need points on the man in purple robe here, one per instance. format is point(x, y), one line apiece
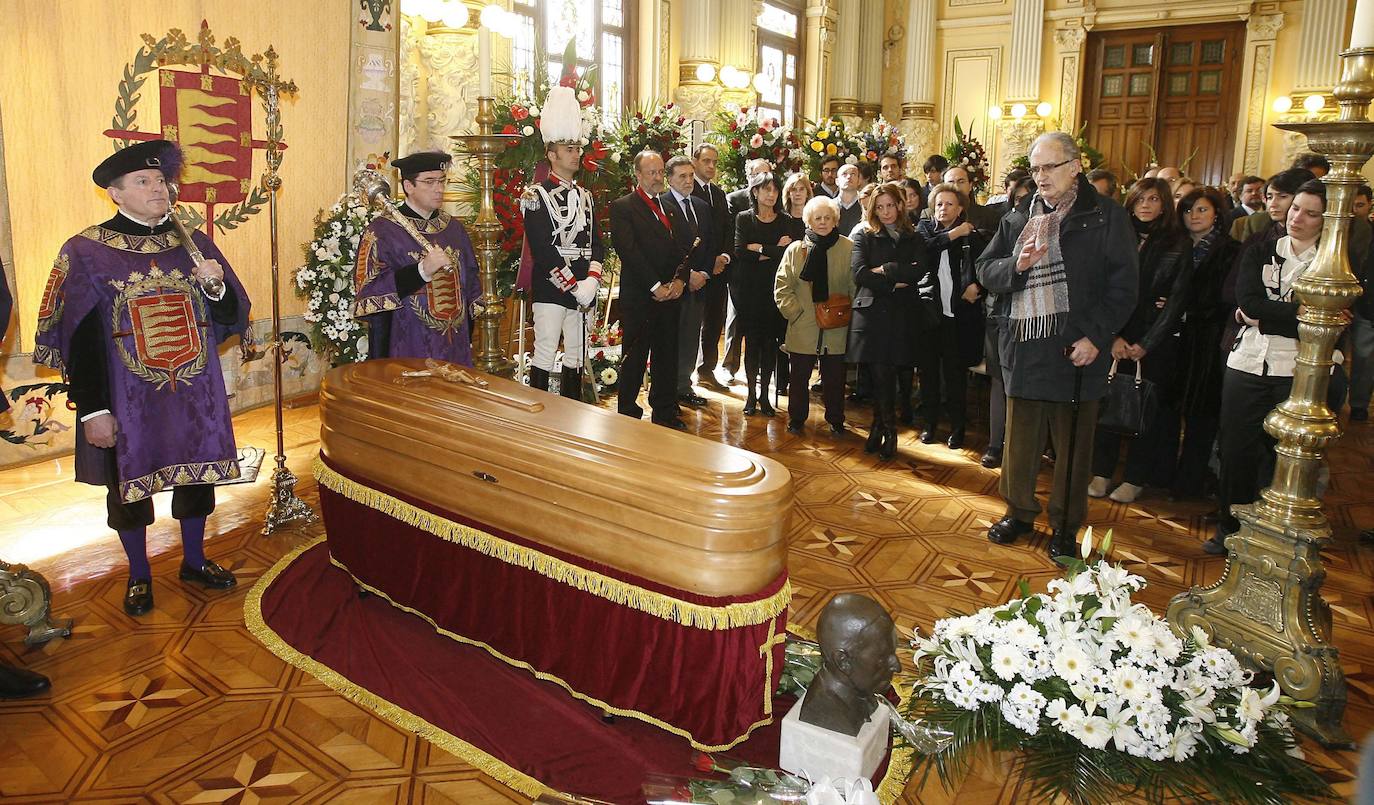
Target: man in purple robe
point(134, 325)
point(417, 299)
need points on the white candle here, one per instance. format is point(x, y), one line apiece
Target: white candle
point(484, 61)
point(1362, 34)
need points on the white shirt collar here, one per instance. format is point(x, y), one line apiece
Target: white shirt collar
point(153, 225)
point(677, 196)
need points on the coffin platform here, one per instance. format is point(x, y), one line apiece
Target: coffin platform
point(642, 569)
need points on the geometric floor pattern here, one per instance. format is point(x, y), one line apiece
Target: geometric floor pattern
point(183, 705)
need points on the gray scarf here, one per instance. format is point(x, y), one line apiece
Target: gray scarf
point(1040, 309)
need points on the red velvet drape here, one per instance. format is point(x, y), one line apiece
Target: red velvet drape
point(711, 686)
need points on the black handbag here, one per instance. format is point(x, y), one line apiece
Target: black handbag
point(1130, 405)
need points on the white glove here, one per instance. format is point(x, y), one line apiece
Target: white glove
point(585, 291)
point(562, 278)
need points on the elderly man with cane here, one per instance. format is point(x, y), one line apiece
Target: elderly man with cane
point(1063, 264)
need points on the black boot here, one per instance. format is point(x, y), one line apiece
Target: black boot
point(571, 383)
point(539, 378)
point(765, 407)
point(875, 437)
point(956, 437)
point(888, 448)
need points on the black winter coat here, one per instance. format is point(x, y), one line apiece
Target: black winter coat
point(1165, 273)
point(753, 273)
point(887, 325)
point(968, 316)
point(1098, 244)
point(1200, 368)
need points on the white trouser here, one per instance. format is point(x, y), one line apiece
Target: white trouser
point(551, 321)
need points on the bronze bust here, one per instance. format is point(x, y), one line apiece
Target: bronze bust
point(858, 658)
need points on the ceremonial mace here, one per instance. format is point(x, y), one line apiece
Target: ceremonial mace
point(284, 507)
point(214, 286)
point(486, 231)
point(1267, 606)
point(374, 191)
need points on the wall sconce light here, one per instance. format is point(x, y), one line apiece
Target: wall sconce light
point(1043, 109)
point(706, 72)
point(1018, 110)
point(1313, 103)
point(994, 112)
point(1282, 104)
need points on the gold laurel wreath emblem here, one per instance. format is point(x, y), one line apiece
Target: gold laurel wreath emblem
point(137, 286)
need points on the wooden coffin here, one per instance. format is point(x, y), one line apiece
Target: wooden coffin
point(665, 506)
point(641, 569)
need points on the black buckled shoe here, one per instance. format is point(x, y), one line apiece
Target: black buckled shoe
point(209, 575)
point(1062, 545)
point(19, 683)
point(138, 598)
point(1008, 529)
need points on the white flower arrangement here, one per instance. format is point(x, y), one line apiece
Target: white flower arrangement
point(325, 282)
point(1102, 698)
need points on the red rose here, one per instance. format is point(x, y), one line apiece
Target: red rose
point(519, 112)
point(601, 355)
point(681, 120)
point(508, 129)
point(569, 81)
point(734, 143)
point(658, 118)
point(703, 762)
point(734, 126)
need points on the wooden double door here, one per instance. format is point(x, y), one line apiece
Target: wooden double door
point(1172, 92)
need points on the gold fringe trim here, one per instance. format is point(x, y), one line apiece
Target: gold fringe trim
point(592, 700)
point(478, 759)
point(660, 605)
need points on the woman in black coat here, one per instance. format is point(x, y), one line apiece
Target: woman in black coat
point(892, 276)
point(1200, 367)
point(952, 243)
point(762, 234)
point(1150, 339)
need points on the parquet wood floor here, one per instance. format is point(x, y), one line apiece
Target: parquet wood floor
point(185, 706)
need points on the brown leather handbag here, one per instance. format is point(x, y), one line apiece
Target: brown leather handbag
point(834, 312)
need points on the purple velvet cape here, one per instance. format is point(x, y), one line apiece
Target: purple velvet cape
point(432, 322)
point(162, 362)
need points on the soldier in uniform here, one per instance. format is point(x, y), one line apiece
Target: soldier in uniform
point(134, 325)
point(417, 299)
point(561, 231)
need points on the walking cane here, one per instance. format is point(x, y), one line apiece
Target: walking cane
point(522, 369)
point(1073, 440)
point(588, 382)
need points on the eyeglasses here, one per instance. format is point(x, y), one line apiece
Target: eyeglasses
point(431, 182)
point(1040, 170)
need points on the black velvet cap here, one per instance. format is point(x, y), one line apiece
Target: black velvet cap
point(417, 163)
point(162, 154)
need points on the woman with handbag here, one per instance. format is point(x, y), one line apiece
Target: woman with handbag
point(1259, 370)
point(957, 341)
point(1147, 347)
point(1200, 368)
point(762, 234)
point(890, 268)
point(812, 288)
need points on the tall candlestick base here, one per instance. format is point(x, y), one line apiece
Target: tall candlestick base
point(486, 235)
point(1267, 605)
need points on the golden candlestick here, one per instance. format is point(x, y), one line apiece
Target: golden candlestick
point(1267, 605)
point(486, 236)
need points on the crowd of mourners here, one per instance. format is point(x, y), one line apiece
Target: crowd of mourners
point(1057, 283)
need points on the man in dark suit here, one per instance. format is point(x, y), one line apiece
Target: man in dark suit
point(736, 202)
point(825, 185)
point(716, 297)
point(982, 218)
point(703, 263)
point(1249, 199)
point(652, 279)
